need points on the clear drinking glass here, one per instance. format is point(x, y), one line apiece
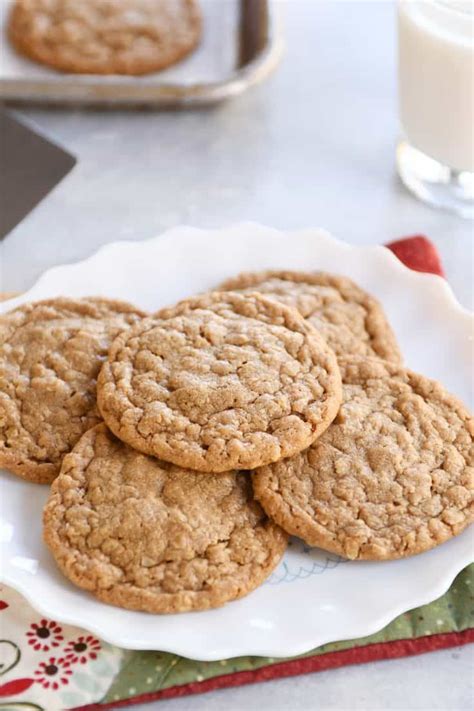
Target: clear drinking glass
point(435, 159)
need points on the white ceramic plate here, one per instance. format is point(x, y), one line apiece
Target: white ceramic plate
point(312, 598)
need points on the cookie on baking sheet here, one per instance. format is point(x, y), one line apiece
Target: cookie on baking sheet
point(50, 355)
point(391, 477)
point(105, 36)
point(146, 535)
point(220, 381)
point(351, 321)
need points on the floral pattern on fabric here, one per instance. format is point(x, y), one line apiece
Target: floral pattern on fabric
point(53, 672)
point(44, 635)
point(48, 666)
point(82, 649)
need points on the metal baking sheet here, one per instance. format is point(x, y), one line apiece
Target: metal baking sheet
point(240, 46)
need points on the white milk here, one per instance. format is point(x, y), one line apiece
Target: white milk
point(436, 79)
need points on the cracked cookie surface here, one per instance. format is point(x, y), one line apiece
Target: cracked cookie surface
point(146, 535)
point(351, 321)
point(391, 477)
point(50, 354)
point(220, 381)
point(105, 36)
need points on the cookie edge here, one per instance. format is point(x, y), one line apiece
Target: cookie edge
point(135, 598)
point(297, 323)
point(46, 472)
point(303, 523)
point(45, 58)
point(382, 337)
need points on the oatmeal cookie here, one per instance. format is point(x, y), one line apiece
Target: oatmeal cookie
point(351, 321)
point(105, 36)
point(50, 355)
point(391, 477)
point(142, 534)
point(220, 381)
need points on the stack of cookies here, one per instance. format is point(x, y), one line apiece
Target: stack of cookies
point(185, 446)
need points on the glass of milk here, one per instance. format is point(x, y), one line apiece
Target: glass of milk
point(436, 92)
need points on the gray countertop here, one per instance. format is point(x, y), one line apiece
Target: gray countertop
point(312, 146)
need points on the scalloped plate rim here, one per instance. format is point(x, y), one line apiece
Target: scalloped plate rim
point(378, 249)
point(358, 627)
point(355, 632)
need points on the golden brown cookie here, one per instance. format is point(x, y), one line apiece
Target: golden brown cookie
point(146, 535)
point(351, 321)
point(105, 36)
point(220, 381)
point(50, 355)
point(392, 476)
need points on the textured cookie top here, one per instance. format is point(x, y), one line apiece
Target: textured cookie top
point(220, 381)
point(105, 36)
point(146, 535)
point(351, 321)
point(391, 477)
point(50, 355)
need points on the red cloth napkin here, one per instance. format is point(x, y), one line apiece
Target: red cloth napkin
point(420, 254)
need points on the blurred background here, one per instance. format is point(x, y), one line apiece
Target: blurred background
point(312, 145)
